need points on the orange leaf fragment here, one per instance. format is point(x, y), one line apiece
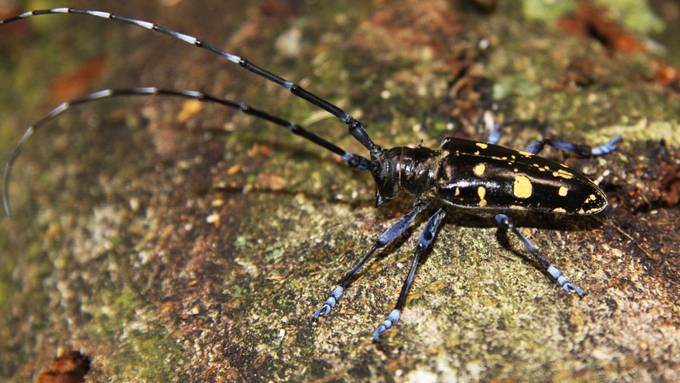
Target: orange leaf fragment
point(74, 84)
point(190, 108)
point(270, 182)
point(233, 169)
point(68, 368)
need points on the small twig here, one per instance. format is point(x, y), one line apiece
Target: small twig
point(620, 230)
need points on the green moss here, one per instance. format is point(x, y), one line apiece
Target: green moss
point(642, 130)
point(7, 288)
point(4, 296)
point(145, 350)
point(34, 250)
point(515, 86)
point(635, 15)
point(547, 10)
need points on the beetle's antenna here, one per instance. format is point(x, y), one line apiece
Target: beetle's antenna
point(356, 128)
point(351, 159)
point(8, 170)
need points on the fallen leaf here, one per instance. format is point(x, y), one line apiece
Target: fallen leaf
point(70, 367)
point(270, 182)
point(74, 84)
point(591, 21)
point(258, 149)
point(666, 74)
point(190, 108)
point(234, 169)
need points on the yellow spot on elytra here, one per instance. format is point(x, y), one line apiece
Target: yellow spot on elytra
point(559, 210)
point(517, 207)
point(481, 191)
point(591, 198)
point(563, 174)
point(563, 191)
point(457, 192)
point(522, 187)
point(525, 154)
point(476, 153)
point(479, 169)
point(581, 211)
point(482, 145)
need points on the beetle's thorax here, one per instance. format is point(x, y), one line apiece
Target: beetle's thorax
point(412, 170)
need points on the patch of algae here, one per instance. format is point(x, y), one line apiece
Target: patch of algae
point(548, 10)
point(536, 89)
point(634, 15)
point(144, 351)
point(6, 290)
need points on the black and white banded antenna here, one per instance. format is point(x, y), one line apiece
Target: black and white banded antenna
point(356, 127)
point(351, 159)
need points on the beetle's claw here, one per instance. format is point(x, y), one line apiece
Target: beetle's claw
point(322, 311)
point(569, 287)
point(391, 320)
point(332, 300)
point(379, 331)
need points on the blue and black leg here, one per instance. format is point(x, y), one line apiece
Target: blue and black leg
point(424, 243)
point(503, 222)
point(491, 126)
point(536, 146)
point(389, 236)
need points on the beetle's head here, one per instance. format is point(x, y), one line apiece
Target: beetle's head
point(411, 170)
point(385, 175)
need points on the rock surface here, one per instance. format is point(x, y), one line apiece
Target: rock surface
point(170, 241)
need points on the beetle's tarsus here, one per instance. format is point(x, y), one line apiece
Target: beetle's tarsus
point(322, 311)
point(504, 222)
point(331, 302)
point(379, 331)
point(569, 287)
point(391, 320)
point(562, 280)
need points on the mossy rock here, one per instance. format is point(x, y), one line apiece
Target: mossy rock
point(138, 241)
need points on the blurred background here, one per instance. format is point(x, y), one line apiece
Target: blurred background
point(156, 239)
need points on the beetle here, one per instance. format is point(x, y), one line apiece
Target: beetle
point(481, 178)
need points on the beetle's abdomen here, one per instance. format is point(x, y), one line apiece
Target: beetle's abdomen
point(484, 176)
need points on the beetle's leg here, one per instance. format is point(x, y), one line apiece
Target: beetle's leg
point(490, 125)
point(389, 236)
point(536, 146)
point(504, 222)
point(424, 243)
